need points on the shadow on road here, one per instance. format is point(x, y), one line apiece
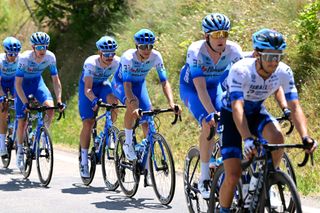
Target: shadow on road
point(18, 184)
point(82, 189)
point(6, 171)
point(122, 203)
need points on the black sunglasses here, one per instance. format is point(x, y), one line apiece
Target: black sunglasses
point(145, 46)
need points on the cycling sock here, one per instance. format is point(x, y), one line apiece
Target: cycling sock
point(19, 148)
point(204, 171)
point(84, 156)
point(128, 136)
point(2, 141)
point(224, 210)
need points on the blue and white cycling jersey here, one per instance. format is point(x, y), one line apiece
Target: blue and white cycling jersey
point(133, 70)
point(244, 83)
point(7, 69)
point(200, 64)
point(29, 69)
point(99, 74)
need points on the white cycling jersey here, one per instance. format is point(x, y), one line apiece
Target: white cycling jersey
point(244, 83)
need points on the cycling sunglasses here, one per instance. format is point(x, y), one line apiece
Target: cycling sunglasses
point(108, 54)
point(145, 46)
point(269, 57)
point(219, 34)
point(41, 47)
point(12, 54)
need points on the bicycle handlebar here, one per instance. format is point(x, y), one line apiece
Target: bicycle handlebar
point(45, 108)
point(273, 147)
point(213, 128)
point(283, 119)
point(158, 111)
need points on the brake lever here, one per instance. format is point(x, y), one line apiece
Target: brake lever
point(211, 134)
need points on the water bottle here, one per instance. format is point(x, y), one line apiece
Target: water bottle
point(97, 142)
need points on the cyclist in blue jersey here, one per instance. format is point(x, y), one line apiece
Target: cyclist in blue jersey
point(207, 65)
point(94, 85)
point(8, 66)
point(250, 82)
point(129, 83)
point(29, 81)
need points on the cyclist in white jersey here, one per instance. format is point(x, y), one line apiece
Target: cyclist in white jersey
point(250, 82)
point(207, 65)
point(29, 81)
point(129, 84)
point(8, 66)
point(94, 85)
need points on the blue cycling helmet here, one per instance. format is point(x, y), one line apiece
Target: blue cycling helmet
point(268, 39)
point(40, 38)
point(107, 43)
point(11, 45)
point(215, 22)
point(144, 36)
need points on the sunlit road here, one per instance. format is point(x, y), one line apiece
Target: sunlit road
point(66, 193)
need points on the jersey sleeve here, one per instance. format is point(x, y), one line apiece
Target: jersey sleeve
point(125, 69)
point(236, 82)
point(53, 65)
point(195, 63)
point(88, 69)
point(288, 85)
point(22, 66)
point(162, 73)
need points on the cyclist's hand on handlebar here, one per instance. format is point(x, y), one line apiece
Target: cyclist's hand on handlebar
point(62, 106)
point(26, 107)
point(311, 142)
point(94, 104)
point(286, 112)
point(2, 98)
point(211, 119)
point(249, 147)
point(136, 114)
point(176, 109)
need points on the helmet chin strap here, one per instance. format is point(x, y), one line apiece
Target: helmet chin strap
point(207, 40)
point(141, 56)
point(261, 67)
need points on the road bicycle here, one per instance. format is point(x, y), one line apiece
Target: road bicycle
point(102, 149)
point(191, 174)
point(154, 157)
point(37, 143)
point(264, 178)
point(11, 131)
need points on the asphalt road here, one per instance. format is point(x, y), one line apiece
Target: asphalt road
point(66, 193)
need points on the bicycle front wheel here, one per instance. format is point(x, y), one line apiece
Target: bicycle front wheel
point(92, 163)
point(280, 194)
point(28, 156)
point(128, 179)
point(214, 203)
point(7, 158)
point(107, 160)
point(44, 157)
point(162, 171)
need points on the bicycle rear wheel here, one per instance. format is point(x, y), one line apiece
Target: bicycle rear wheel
point(92, 163)
point(162, 171)
point(214, 203)
point(107, 160)
point(191, 177)
point(44, 157)
point(285, 198)
point(128, 179)
point(7, 158)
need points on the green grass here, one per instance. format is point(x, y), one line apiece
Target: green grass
point(176, 24)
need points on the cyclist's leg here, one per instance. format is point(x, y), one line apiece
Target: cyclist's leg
point(44, 97)
point(107, 96)
point(3, 121)
point(86, 114)
point(231, 154)
point(272, 133)
point(20, 131)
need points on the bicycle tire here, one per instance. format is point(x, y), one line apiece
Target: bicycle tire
point(128, 179)
point(164, 161)
point(44, 153)
point(7, 158)
point(237, 203)
point(289, 167)
point(28, 156)
point(92, 163)
point(107, 160)
point(191, 175)
point(281, 179)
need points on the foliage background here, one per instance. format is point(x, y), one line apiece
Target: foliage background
point(74, 27)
